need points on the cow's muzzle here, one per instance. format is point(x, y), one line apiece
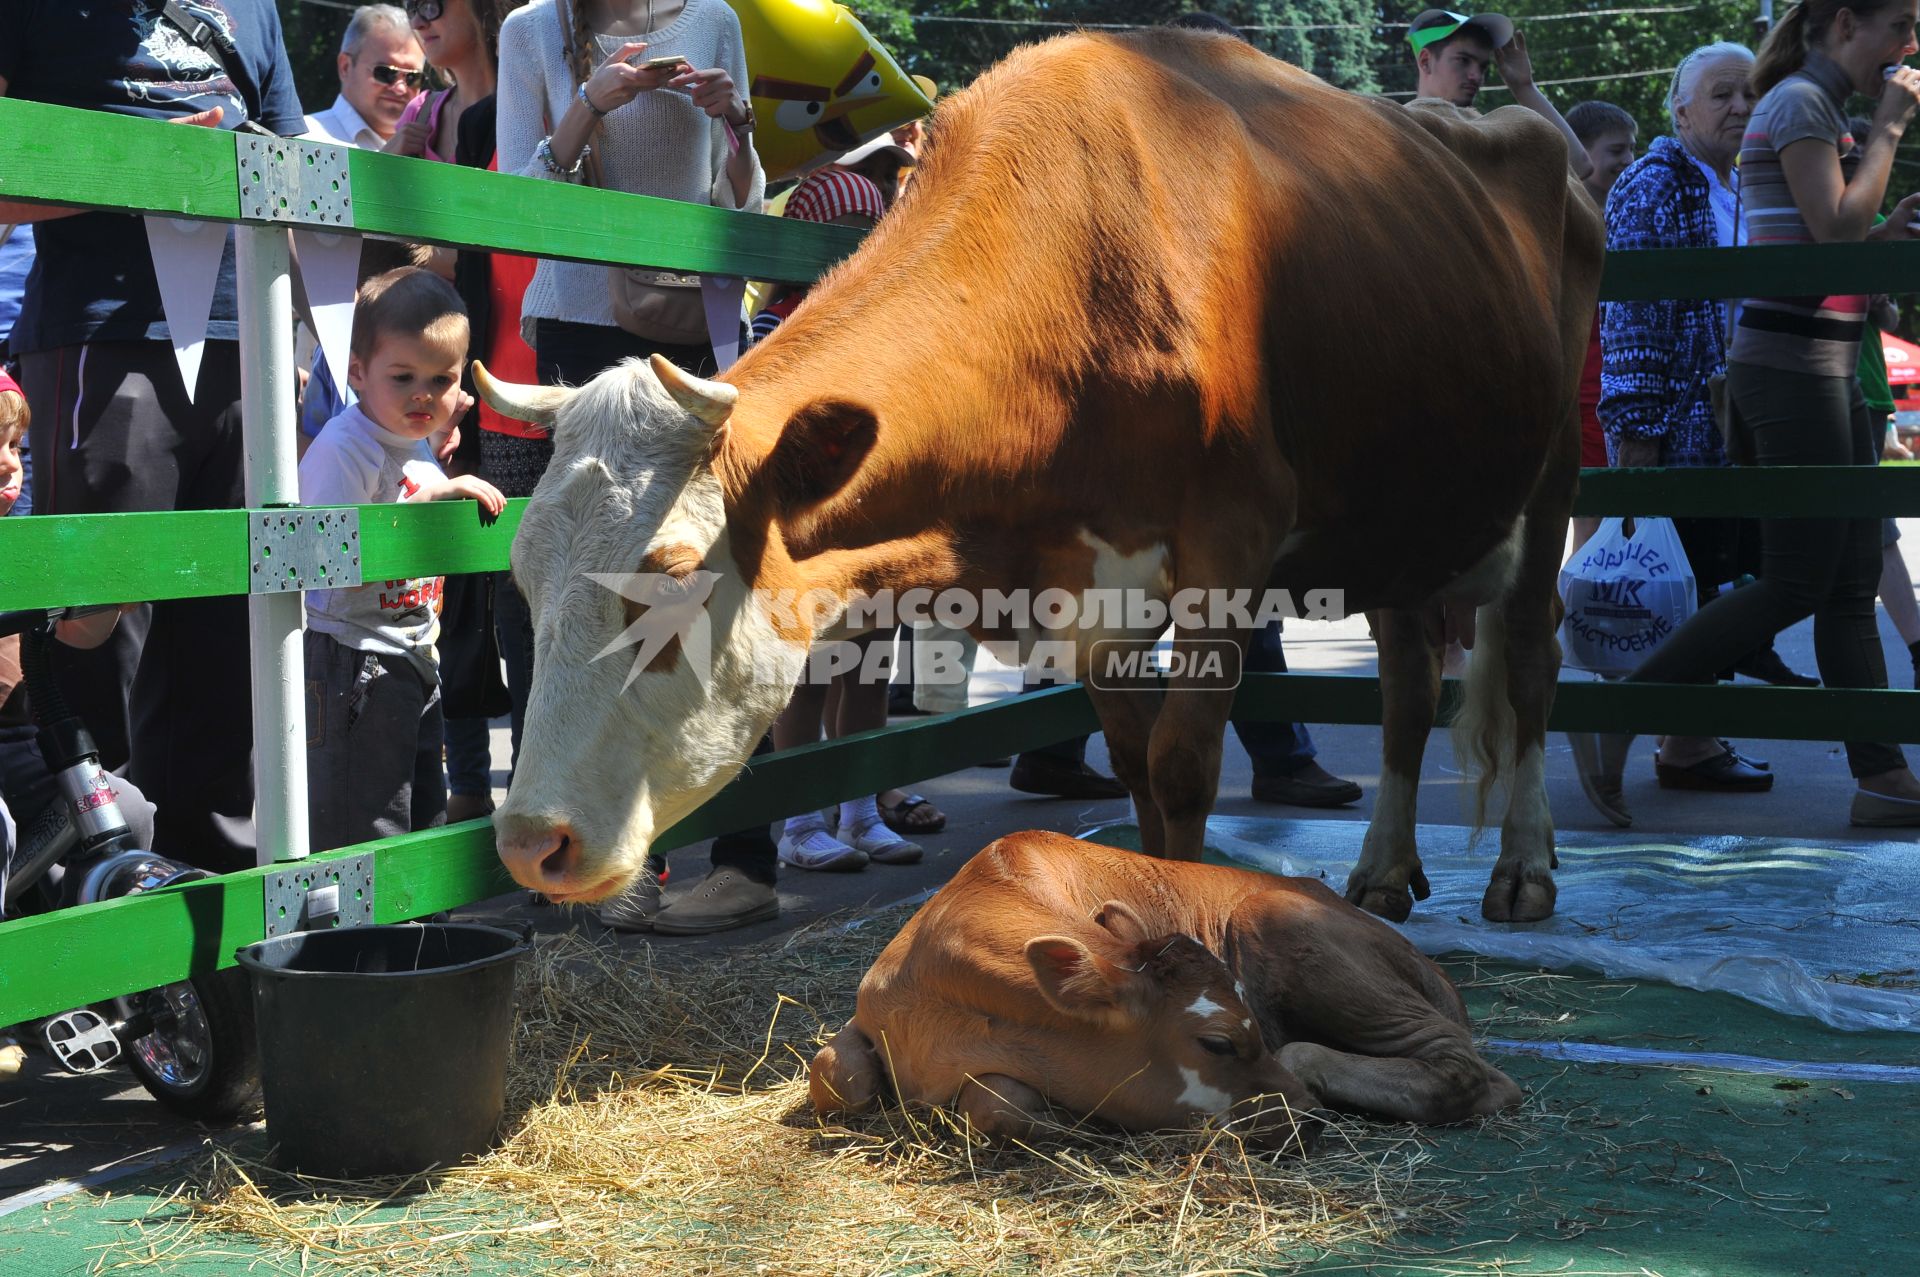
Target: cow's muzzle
point(545, 855)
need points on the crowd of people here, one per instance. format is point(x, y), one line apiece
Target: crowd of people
point(649, 97)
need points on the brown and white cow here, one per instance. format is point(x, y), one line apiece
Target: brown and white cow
point(1152, 994)
point(1159, 312)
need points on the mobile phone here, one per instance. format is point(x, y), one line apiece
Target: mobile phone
point(668, 60)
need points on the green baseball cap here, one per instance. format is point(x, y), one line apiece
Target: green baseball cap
point(1437, 24)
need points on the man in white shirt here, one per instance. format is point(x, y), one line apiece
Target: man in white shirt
point(381, 68)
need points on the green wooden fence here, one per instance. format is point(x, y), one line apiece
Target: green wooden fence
point(61, 156)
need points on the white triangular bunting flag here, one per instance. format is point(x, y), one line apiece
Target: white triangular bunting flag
point(329, 268)
point(186, 264)
point(723, 294)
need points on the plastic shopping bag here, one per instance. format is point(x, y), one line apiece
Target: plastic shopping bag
point(1624, 594)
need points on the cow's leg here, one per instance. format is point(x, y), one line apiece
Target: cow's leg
point(1183, 757)
point(1445, 1081)
point(1128, 707)
point(846, 1074)
point(1521, 887)
point(1388, 878)
point(1000, 1108)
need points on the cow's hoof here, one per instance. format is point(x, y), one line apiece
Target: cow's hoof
point(1387, 899)
point(1518, 895)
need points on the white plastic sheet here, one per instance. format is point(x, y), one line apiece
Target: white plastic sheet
point(1792, 926)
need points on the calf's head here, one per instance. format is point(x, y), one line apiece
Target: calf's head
point(1179, 1045)
point(655, 670)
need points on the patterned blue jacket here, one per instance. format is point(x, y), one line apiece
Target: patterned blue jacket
point(1656, 357)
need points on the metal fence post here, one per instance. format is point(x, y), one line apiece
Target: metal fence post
point(265, 288)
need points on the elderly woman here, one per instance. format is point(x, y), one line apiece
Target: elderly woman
point(1657, 358)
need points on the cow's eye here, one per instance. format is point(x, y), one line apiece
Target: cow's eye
point(1215, 1044)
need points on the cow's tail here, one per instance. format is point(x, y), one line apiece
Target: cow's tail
point(1483, 728)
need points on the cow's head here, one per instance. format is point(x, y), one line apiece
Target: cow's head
point(655, 670)
point(1181, 1045)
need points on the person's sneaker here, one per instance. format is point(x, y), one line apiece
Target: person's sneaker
point(636, 907)
point(723, 900)
point(880, 844)
point(812, 847)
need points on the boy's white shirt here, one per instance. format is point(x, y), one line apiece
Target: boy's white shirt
point(353, 461)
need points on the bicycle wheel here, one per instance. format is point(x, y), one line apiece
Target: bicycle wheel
point(200, 1059)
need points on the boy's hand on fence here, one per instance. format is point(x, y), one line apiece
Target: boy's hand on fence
point(207, 119)
point(478, 489)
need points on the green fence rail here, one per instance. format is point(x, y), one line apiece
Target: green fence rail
point(51, 154)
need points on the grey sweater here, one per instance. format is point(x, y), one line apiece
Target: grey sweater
point(658, 144)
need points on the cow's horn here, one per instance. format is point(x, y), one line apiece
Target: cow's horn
point(534, 404)
point(711, 401)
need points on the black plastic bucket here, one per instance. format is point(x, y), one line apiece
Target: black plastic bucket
point(383, 1050)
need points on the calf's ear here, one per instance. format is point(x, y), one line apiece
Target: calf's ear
point(1076, 980)
point(1119, 918)
point(821, 447)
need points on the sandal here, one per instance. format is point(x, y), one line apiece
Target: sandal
point(910, 816)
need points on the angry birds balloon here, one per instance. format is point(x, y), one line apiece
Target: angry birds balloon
point(821, 84)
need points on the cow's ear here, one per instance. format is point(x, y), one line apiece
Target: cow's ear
point(821, 447)
point(1076, 980)
point(1122, 921)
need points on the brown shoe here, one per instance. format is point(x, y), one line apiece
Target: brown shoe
point(1053, 779)
point(1725, 773)
point(1311, 786)
point(635, 908)
point(723, 900)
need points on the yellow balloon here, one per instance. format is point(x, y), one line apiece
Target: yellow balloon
point(821, 84)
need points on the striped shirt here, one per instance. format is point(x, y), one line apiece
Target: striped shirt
point(1815, 335)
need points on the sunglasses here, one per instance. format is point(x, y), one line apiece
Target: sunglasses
point(426, 10)
point(386, 74)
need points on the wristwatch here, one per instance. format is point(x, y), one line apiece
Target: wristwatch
point(746, 125)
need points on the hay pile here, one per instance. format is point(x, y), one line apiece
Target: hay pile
point(658, 1123)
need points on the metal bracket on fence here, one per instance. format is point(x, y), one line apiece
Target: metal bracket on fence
point(302, 550)
point(319, 895)
point(286, 180)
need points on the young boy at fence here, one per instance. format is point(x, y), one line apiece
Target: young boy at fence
point(373, 678)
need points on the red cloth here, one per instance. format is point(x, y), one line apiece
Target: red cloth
point(1593, 440)
point(507, 357)
point(8, 383)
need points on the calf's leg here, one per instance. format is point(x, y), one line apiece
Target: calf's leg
point(1445, 1082)
point(846, 1075)
point(999, 1107)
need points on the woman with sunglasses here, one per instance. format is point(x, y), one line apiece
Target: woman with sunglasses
point(461, 40)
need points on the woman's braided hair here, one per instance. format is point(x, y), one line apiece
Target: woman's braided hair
point(582, 42)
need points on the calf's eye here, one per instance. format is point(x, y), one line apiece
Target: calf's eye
point(1214, 1044)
